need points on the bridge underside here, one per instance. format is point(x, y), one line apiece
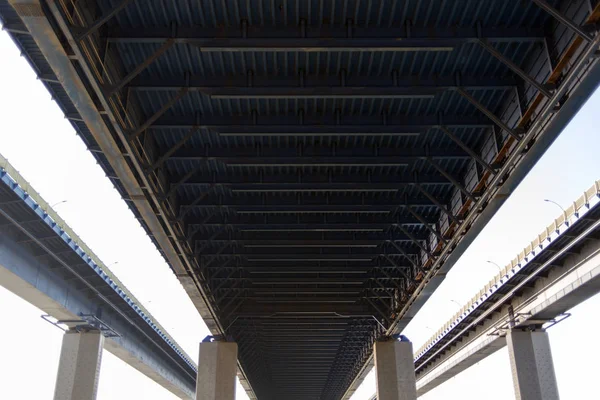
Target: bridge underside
point(307, 168)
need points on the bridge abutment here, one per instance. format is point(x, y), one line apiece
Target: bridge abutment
point(217, 367)
point(531, 365)
point(395, 370)
point(79, 366)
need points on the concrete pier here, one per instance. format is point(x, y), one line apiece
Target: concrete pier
point(217, 368)
point(395, 370)
point(531, 365)
point(79, 366)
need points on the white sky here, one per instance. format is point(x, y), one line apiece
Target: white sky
point(43, 146)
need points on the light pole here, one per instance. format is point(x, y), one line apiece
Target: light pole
point(493, 263)
point(57, 203)
point(559, 206)
point(454, 301)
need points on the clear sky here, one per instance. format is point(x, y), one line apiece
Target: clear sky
point(43, 146)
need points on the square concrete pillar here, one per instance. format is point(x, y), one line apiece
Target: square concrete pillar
point(217, 369)
point(531, 365)
point(395, 371)
point(79, 366)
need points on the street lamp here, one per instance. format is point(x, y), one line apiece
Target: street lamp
point(456, 302)
point(559, 206)
point(493, 263)
point(60, 202)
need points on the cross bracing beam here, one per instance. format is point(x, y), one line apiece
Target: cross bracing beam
point(311, 187)
point(346, 289)
point(324, 269)
point(466, 148)
point(299, 254)
point(410, 257)
point(342, 294)
point(247, 219)
point(307, 300)
point(316, 202)
point(299, 321)
point(451, 179)
point(256, 85)
point(272, 208)
point(285, 325)
point(239, 125)
point(263, 281)
point(260, 130)
point(434, 200)
point(327, 354)
point(265, 38)
point(323, 266)
point(319, 93)
point(287, 256)
point(564, 20)
point(297, 290)
point(266, 243)
point(269, 311)
point(154, 117)
point(276, 155)
point(308, 227)
point(273, 350)
point(401, 235)
point(399, 268)
point(258, 180)
point(515, 68)
point(494, 118)
point(300, 356)
point(83, 33)
point(15, 27)
point(260, 161)
point(353, 344)
point(266, 183)
point(322, 92)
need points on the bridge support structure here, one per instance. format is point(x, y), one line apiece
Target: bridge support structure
point(531, 365)
point(217, 368)
point(395, 370)
point(79, 365)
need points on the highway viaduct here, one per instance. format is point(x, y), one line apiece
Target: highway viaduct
point(45, 263)
point(311, 173)
point(554, 273)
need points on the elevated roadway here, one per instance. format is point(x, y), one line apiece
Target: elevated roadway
point(371, 141)
point(554, 273)
point(44, 262)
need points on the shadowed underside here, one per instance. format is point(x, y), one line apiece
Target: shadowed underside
point(312, 169)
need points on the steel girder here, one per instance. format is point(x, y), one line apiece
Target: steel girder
point(181, 130)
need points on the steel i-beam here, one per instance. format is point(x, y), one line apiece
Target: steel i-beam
point(564, 20)
point(88, 30)
point(457, 184)
point(515, 68)
point(489, 114)
point(466, 148)
point(112, 89)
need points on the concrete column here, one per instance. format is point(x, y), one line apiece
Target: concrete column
point(79, 366)
point(531, 365)
point(395, 371)
point(217, 368)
